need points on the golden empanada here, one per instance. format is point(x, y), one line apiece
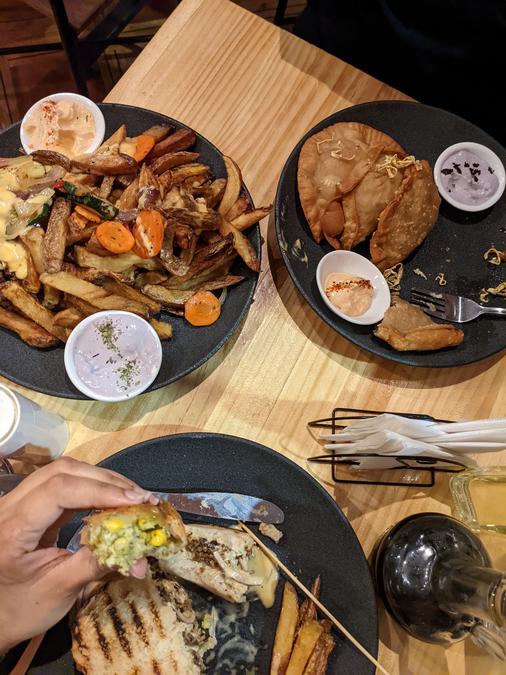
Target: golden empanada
point(408, 218)
point(407, 328)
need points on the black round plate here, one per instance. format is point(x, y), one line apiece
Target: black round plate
point(189, 347)
point(455, 246)
point(317, 537)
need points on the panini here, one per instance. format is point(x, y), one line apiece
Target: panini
point(225, 562)
point(139, 627)
point(120, 537)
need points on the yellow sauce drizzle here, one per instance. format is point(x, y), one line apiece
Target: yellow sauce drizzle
point(440, 278)
point(337, 153)
point(499, 290)
point(494, 256)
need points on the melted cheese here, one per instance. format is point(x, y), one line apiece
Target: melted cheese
point(260, 565)
point(14, 256)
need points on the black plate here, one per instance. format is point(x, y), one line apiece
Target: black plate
point(317, 537)
point(189, 347)
point(455, 245)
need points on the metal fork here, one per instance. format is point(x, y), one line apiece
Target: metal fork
point(452, 307)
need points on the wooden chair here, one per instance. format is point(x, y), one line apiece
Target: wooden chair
point(85, 28)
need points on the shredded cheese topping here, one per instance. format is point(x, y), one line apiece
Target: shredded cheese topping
point(499, 290)
point(391, 164)
point(440, 278)
point(337, 152)
point(393, 276)
point(494, 256)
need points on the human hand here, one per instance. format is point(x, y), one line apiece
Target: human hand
point(40, 582)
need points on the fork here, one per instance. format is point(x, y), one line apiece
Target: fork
point(454, 308)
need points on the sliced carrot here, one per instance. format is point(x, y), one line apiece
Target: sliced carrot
point(202, 309)
point(148, 233)
point(114, 236)
point(87, 213)
point(143, 145)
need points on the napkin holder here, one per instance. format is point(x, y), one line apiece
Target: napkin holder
point(412, 465)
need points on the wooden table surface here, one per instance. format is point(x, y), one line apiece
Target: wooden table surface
point(254, 90)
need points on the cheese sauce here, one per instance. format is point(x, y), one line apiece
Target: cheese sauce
point(349, 293)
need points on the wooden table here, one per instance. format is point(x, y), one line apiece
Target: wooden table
point(254, 90)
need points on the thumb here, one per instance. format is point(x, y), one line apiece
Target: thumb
point(78, 569)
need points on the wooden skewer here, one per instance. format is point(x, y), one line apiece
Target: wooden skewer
point(27, 656)
point(272, 556)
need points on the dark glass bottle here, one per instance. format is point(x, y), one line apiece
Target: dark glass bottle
point(435, 578)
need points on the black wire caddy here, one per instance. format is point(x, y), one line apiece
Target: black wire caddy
point(412, 464)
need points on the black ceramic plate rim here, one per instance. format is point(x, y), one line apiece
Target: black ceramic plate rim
point(74, 393)
point(261, 449)
point(403, 358)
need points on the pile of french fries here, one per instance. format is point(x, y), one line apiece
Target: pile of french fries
point(303, 644)
point(71, 275)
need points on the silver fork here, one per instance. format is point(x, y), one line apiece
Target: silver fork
point(452, 307)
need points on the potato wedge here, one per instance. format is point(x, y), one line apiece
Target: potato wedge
point(33, 240)
point(68, 318)
point(82, 235)
point(181, 173)
point(162, 328)
point(171, 298)
point(32, 309)
point(159, 131)
point(95, 295)
point(232, 188)
point(112, 143)
point(317, 664)
point(249, 218)
point(30, 332)
point(106, 187)
point(53, 246)
point(241, 245)
point(123, 263)
point(31, 282)
point(241, 205)
point(51, 298)
point(114, 286)
point(172, 159)
point(306, 641)
point(214, 193)
point(179, 140)
point(128, 199)
point(285, 631)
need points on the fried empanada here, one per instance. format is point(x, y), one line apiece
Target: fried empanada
point(408, 218)
point(376, 189)
point(407, 328)
point(331, 163)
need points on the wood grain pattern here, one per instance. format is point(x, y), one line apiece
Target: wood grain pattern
point(254, 90)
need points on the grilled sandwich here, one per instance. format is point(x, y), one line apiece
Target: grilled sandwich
point(224, 561)
point(120, 537)
point(139, 627)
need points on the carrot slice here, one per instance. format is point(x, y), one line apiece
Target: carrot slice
point(88, 213)
point(202, 309)
point(143, 145)
point(114, 236)
point(148, 233)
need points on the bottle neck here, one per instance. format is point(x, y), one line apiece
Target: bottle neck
point(466, 588)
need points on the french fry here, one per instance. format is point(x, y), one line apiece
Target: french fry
point(172, 159)
point(305, 643)
point(232, 188)
point(112, 143)
point(180, 140)
point(285, 631)
point(240, 206)
point(81, 306)
point(68, 318)
point(170, 298)
point(118, 288)
point(30, 332)
point(95, 295)
point(53, 246)
point(249, 218)
point(159, 131)
point(106, 187)
point(33, 241)
point(241, 245)
point(181, 173)
point(162, 328)
point(128, 199)
point(29, 307)
point(317, 664)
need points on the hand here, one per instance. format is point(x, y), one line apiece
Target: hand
point(40, 582)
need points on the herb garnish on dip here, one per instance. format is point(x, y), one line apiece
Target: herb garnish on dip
point(468, 177)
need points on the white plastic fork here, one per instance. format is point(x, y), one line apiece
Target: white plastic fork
point(454, 308)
